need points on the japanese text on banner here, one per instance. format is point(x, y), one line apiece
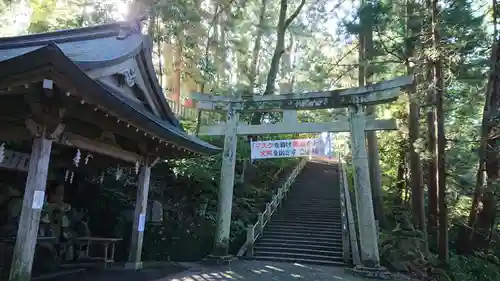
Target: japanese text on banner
point(287, 148)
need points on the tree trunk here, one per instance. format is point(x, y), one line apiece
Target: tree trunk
point(279, 49)
point(486, 215)
point(417, 191)
point(432, 227)
point(471, 236)
point(400, 180)
point(252, 75)
point(176, 87)
point(191, 79)
point(365, 73)
point(441, 138)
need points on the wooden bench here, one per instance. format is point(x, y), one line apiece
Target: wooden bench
point(7, 247)
point(109, 244)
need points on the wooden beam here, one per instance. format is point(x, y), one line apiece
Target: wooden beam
point(264, 129)
point(382, 92)
point(18, 133)
point(84, 143)
point(108, 124)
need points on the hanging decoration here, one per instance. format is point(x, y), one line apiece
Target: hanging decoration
point(78, 155)
point(137, 166)
point(66, 175)
point(101, 179)
point(88, 157)
point(2, 152)
point(71, 178)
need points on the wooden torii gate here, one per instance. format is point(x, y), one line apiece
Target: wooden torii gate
point(355, 99)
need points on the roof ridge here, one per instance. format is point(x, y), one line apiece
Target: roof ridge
point(63, 36)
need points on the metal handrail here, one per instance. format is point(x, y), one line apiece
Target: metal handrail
point(255, 231)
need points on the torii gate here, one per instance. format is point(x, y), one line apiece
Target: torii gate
point(353, 98)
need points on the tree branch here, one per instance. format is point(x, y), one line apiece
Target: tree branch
point(294, 14)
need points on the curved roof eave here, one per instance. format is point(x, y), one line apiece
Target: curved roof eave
point(97, 47)
point(51, 55)
point(146, 66)
point(88, 47)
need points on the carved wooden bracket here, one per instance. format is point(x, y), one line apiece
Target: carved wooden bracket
point(38, 130)
point(129, 76)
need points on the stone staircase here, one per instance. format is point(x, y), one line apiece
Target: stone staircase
point(308, 227)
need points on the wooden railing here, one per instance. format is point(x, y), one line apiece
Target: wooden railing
point(187, 113)
point(182, 111)
point(255, 231)
point(349, 235)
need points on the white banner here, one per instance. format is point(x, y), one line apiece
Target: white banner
point(287, 148)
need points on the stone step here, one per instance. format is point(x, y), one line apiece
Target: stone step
point(305, 217)
point(325, 231)
point(312, 206)
point(332, 252)
point(327, 213)
point(302, 210)
point(294, 225)
point(318, 196)
point(336, 262)
point(306, 203)
point(306, 258)
point(311, 211)
point(316, 222)
point(301, 239)
point(300, 235)
point(308, 226)
point(334, 244)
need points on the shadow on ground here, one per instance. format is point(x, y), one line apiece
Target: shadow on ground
point(149, 273)
point(263, 271)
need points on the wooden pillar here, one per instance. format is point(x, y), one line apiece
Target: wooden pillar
point(141, 204)
point(34, 195)
point(366, 221)
point(226, 186)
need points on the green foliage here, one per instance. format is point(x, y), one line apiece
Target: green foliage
point(473, 268)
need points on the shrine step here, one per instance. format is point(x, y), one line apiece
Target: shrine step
point(308, 226)
point(306, 260)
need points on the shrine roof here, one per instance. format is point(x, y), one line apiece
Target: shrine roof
point(89, 47)
point(73, 52)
